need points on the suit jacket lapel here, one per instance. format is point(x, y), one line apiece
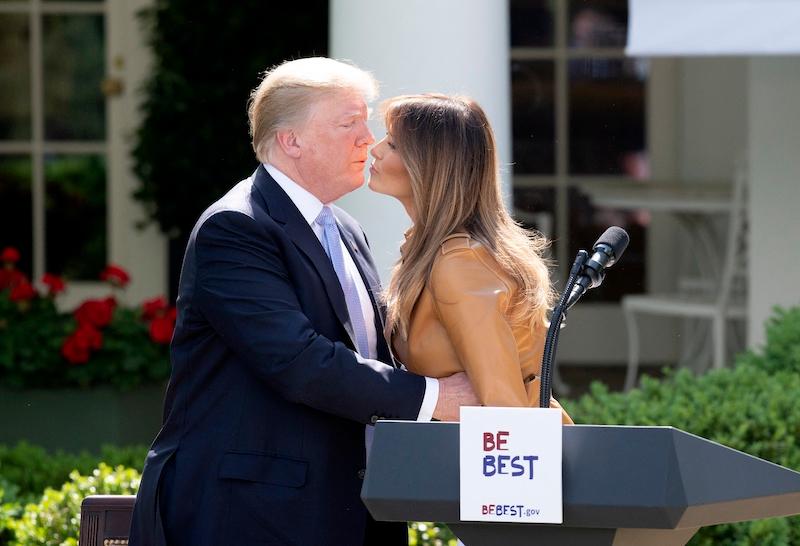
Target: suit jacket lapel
point(283, 210)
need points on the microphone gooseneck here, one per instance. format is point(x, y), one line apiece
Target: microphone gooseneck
point(586, 272)
point(551, 341)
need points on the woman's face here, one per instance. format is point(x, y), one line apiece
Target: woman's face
point(388, 174)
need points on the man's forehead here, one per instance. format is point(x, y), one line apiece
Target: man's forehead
point(346, 102)
point(352, 112)
point(352, 106)
point(337, 106)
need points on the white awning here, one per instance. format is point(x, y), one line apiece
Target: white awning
point(713, 27)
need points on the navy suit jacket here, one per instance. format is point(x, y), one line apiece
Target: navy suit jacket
point(263, 433)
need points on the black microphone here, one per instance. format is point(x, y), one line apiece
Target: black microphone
point(607, 251)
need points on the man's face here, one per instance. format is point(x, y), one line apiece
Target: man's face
point(334, 143)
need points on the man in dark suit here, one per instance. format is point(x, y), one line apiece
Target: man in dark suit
point(278, 361)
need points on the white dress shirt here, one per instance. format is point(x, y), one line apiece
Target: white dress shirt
point(310, 207)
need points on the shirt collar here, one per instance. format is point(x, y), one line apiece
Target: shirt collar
point(308, 205)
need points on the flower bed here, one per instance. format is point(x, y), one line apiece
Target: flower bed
point(99, 343)
point(79, 379)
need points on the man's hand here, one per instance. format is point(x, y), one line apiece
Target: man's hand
point(454, 391)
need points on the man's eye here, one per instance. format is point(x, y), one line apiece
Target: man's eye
point(348, 125)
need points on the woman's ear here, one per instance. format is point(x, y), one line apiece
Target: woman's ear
point(289, 142)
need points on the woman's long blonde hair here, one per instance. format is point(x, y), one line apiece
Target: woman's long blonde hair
point(448, 149)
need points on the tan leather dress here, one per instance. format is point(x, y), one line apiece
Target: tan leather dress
point(461, 322)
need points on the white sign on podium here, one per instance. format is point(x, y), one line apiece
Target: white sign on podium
point(511, 465)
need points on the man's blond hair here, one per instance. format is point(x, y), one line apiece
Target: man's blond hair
point(286, 93)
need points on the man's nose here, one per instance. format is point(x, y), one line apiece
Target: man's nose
point(367, 138)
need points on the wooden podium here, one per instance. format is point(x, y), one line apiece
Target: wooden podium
point(106, 520)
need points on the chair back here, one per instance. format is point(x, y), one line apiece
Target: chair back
point(106, 520)
point(735, 258)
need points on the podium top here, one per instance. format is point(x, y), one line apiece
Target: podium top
point(613, 476)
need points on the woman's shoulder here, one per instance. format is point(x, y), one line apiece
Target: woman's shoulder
point(455, 242)
point(460, 248)
point(465, 264)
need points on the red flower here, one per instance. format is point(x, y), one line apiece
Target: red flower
point(115, 275)
point(9, 278)
point(88, 335)
point(55, 284)
point(78, 347)
point(22, 291)
point(153, 308)
point(172, 313)
point(9, 255)
point(97, 313)
point(161, 330)
point(74, 351)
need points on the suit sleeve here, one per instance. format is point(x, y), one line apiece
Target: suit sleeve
point(243, 290)
point(472, 302)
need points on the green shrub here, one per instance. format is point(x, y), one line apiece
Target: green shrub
point(10, 509)
point(782, 349)
point(31, 336)
point(429, 534)
point(29, 469)
point(744, 408)
point(55, 519)
point(751, 407)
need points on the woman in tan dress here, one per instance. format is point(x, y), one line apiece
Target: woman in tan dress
point(471, 289)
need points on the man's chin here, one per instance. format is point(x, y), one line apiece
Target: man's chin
point(351, 186)
point(357, 183)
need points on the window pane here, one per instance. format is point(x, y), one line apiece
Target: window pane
point(74, 57)
point(533, 117)
point(15, 82)
point(531, 23)
point(16, 220)
point(587, 223)
point(75, 215)
point(607, 117)
point(598, 23)
point(535, 209)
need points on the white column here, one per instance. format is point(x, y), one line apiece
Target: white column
point(142, 252)
point(417, 46)
point(774, 258)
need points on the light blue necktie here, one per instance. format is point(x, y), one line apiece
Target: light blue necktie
point(331, 241)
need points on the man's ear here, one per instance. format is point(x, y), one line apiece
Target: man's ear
point(289, 142)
